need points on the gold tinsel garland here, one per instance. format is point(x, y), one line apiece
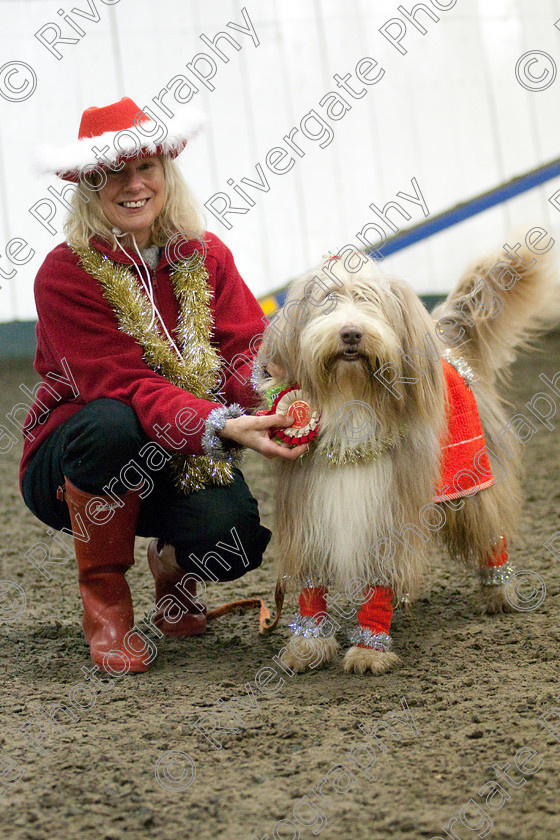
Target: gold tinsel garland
point(366, 452)
point(198, 369)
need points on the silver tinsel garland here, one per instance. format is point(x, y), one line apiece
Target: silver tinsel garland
point(367, 638)
point(461, 366)
point(257, 375)
point(212, 444)
point(308, 627)
point(496, 575)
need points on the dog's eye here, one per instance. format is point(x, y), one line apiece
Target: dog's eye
point(324, 298)
point(368, 296)
point(330, 301)
point(327, 303)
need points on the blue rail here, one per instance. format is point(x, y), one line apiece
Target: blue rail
point(497, 195)
point(448, 218)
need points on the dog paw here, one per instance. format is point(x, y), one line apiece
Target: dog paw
point(307, 654)
point(494, 600)
point(361, 660)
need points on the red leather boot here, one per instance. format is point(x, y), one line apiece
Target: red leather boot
point(178, 611)
point(104, 534)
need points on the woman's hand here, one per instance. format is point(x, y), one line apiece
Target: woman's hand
point(252, 432)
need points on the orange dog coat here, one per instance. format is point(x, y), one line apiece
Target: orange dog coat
point(465, 467)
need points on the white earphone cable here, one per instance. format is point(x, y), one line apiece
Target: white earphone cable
point(148, 287)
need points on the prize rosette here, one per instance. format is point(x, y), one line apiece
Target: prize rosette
point(305, 427)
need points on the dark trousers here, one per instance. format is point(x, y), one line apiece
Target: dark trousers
point(216, 532)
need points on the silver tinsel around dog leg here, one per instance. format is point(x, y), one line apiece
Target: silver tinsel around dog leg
point(308, 627)
point(496, 575)
point(367, 638)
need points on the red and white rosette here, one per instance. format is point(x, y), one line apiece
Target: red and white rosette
point(305, 427)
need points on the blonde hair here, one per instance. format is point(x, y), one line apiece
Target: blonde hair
point(181, 212)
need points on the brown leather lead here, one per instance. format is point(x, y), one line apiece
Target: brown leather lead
point(266, 625)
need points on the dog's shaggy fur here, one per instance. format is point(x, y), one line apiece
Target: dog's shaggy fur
point(338, 327)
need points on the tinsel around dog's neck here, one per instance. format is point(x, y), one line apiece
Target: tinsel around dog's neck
point(330, 444)
point(338, 448)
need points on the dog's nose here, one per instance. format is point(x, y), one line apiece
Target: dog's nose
point(350, 335)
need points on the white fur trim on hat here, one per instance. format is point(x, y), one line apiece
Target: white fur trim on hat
point(149, 137)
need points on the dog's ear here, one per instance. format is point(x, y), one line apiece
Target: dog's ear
point(280, 343)
point(270, 358)
point(420, 356)
point(277, 351)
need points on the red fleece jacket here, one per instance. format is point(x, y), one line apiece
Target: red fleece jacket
point(83, 356)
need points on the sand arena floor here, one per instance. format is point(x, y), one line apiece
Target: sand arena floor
point(474, 689)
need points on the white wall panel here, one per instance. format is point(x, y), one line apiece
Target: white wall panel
point(449, 113)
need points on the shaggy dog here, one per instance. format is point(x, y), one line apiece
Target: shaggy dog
point(358, 509)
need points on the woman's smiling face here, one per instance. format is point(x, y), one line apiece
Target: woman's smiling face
point(133, 197)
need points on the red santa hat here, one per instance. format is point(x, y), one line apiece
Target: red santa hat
point(117, 132)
